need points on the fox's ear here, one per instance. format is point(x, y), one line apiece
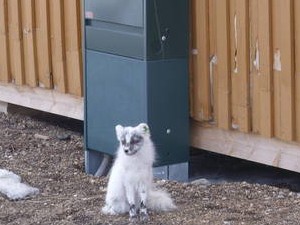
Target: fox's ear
point(119, 131)
point(144, 129)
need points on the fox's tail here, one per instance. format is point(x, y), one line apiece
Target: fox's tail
point(160, 200)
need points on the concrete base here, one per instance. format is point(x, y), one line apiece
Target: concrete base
point(178, 172)
point(3, 107)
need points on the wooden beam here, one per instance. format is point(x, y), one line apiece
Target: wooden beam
point(297, 66)
point(200, 62)
point(265, 71)
point(4, 45)
point(239, 32)
point(42, 99)
point(58, 45)
point(254, 65)
point(261, 67)
point(283, 69)
point(16, 42)
point(212, 5)
point(29, 42)
point(43, 43)
point(269, 151)
point(73, 46)
point(223, 76)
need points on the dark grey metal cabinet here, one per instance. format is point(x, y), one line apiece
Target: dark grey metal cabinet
point(136, 70)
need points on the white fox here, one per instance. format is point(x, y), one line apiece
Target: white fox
point(130, 187)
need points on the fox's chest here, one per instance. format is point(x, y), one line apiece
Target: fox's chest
point(135, 174)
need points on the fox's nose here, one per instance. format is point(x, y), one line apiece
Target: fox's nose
point(126, 149)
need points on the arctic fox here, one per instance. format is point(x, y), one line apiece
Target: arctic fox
point(130, 187)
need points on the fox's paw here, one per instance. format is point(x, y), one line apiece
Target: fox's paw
point(144, 217)
point(108, 210)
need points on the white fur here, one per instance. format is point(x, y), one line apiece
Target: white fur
point(131, 177)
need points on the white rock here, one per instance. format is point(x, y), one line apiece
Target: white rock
point(201, 181)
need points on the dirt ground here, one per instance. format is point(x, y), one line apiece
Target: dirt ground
point(54, 163)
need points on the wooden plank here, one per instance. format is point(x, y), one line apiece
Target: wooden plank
point(223, 96)
point(43, 43)
point(283, 46)
point(4, 45)
point(239, 28)
point(73, 46)
point(269, 151)
point(254, 66)
point(58, 45)
point(15, 42)
point(200, 62)
point(297, 66)
point(265, 68)
point(261, 62)
point(213, 57)
point(29, 42)
point(43, 99)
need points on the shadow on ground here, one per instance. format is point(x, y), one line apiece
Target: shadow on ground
point(216, 168)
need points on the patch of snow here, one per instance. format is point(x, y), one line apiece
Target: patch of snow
point(11, 186)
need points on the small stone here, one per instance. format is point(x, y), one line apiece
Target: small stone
point(201, 181)
point(64, 137)
point(40, 136)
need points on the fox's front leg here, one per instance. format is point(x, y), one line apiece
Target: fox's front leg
point(131, 200)
point(143, 209)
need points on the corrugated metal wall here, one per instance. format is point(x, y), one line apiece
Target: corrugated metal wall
point(245, 65)
point(40, 44)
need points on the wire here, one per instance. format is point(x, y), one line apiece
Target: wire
point(161, 38)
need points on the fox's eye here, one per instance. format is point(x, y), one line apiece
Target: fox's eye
point(123, 141)
point(135, 139)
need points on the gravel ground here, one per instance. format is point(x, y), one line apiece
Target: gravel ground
point(48, 154)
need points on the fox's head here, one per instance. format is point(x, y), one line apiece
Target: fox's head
point(132, 138)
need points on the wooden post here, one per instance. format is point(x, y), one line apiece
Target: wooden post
point(297, 66)
point(4, 45)
point(200, 62)
point(223, 68)
point(261, 64)
point(29, 42)
point(16, 42)
point(58, 45)
point(73, 46)
point(239, 28)
point(283, 68)
point(43, 44)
